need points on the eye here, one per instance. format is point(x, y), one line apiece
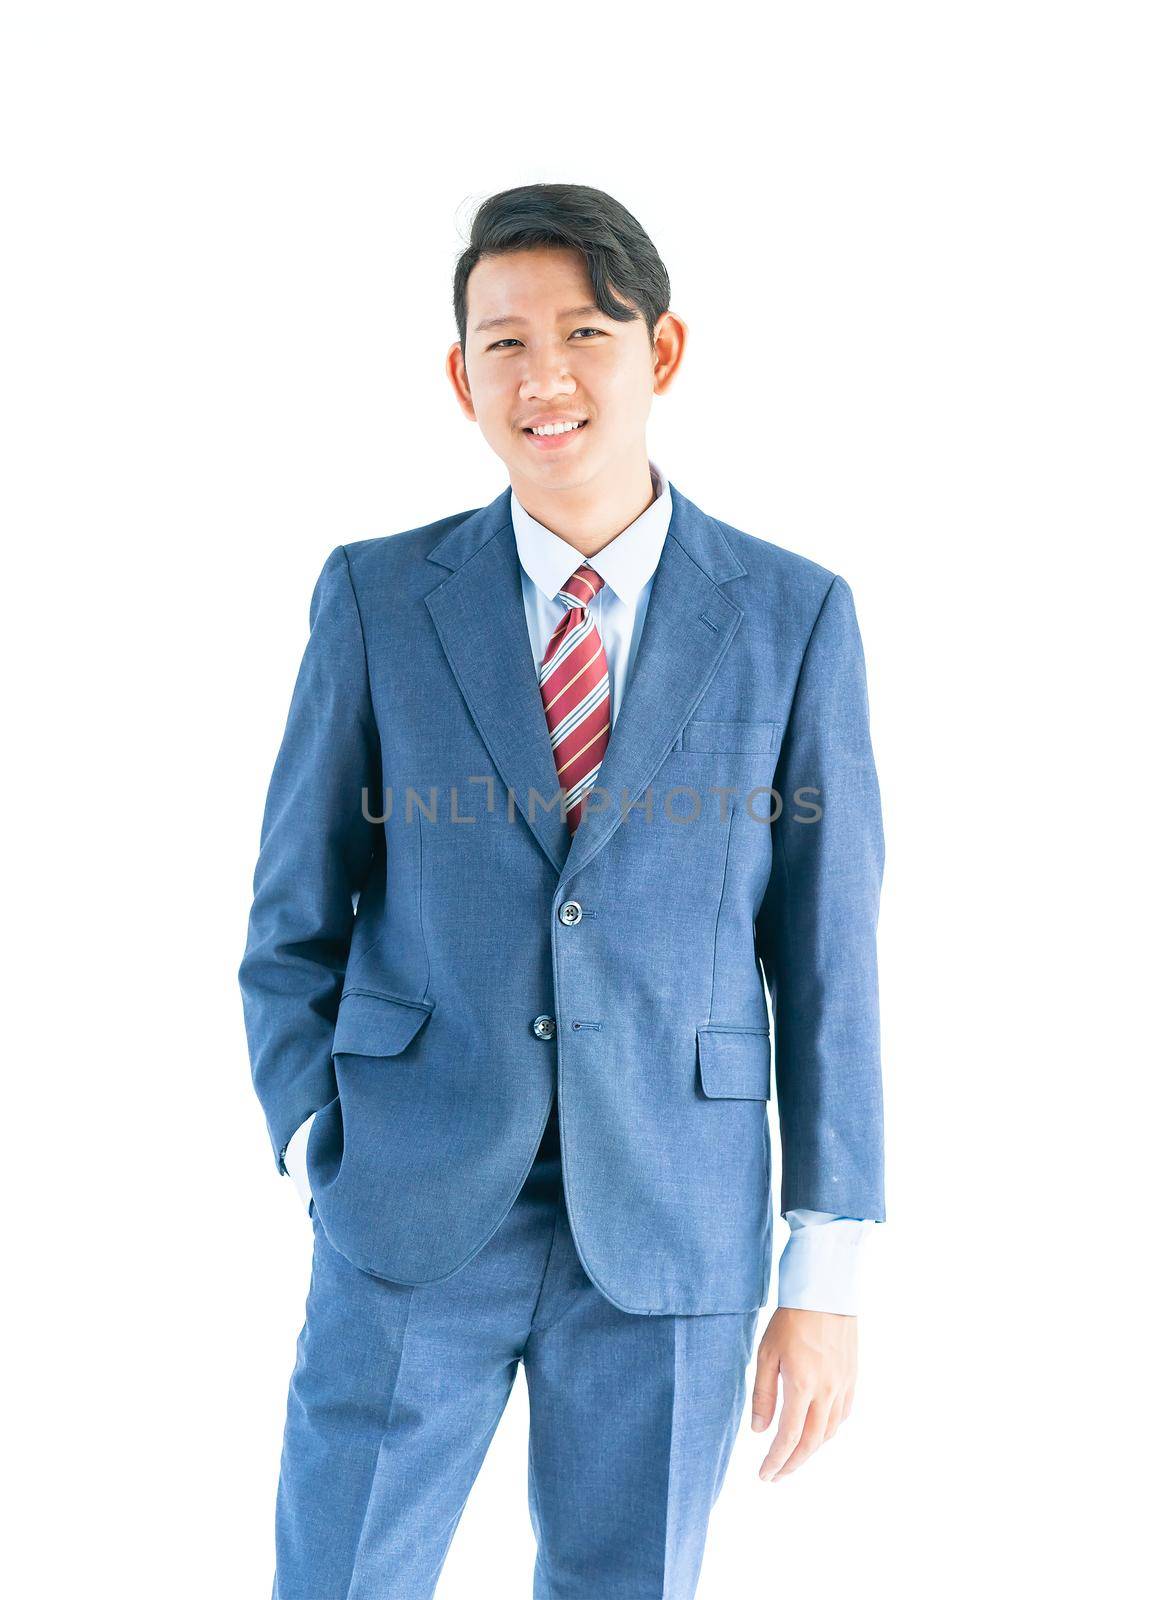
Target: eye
point(500, 344)
point(587, 330)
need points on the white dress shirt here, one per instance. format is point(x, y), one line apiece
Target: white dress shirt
point(819, 1263)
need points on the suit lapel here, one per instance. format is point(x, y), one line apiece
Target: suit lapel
point(689, 625)
point(480, 620)
point(479, 616)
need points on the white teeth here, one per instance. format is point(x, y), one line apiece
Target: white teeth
point(555, 427)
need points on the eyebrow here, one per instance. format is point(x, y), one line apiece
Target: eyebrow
point(572, 311)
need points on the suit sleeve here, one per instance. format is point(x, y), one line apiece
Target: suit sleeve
point(816, 930)
point(316, 852)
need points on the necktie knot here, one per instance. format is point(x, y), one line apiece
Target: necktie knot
point(583, 585)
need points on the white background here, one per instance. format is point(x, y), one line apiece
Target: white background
point(925, 253)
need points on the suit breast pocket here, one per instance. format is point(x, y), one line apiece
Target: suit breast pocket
point(729, 738)
point(717, 770)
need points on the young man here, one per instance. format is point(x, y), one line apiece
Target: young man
point(564, 780)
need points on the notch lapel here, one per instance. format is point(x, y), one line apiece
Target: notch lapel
point(689, 625)
point(482, 625)
point(479, 616)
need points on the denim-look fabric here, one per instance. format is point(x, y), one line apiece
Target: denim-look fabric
point(395, 967)
point(397, 1391)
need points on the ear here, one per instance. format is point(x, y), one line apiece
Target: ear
point(455, 370)
point(669, 346)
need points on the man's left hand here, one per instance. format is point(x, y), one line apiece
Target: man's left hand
point(814, 1355)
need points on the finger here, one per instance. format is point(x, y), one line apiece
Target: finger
point(788, 1434)
point(836, 1416)
point(763, 1395)
point(810, 1438)
point(848, 1406)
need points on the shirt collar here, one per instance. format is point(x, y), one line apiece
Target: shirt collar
point(626, 563)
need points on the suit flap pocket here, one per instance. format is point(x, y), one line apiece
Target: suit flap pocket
point(731, 738)
point(376, 1025)
point(735, 1063)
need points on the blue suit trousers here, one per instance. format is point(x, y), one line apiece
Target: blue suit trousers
point(397, 1390)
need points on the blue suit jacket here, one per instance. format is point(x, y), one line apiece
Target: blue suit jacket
point(401, 950)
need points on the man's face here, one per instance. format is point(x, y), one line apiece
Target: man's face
point(538, 351)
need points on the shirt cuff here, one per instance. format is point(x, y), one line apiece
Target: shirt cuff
point(294, 1160)
point(820, 1267)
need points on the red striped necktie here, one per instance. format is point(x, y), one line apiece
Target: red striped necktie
point(573, 681)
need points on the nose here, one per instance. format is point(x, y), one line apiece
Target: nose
point(546, 376)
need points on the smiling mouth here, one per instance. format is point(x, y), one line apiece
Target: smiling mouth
point(556, 430)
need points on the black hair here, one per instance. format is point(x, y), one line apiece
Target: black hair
point(617, 251)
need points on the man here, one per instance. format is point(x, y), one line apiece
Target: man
point(564, 781)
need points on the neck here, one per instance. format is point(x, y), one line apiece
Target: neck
point(588, 515)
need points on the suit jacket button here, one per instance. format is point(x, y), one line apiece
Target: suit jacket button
point(570, 912)
point(543, 1027)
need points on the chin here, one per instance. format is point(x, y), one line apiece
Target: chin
point(552, 468)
